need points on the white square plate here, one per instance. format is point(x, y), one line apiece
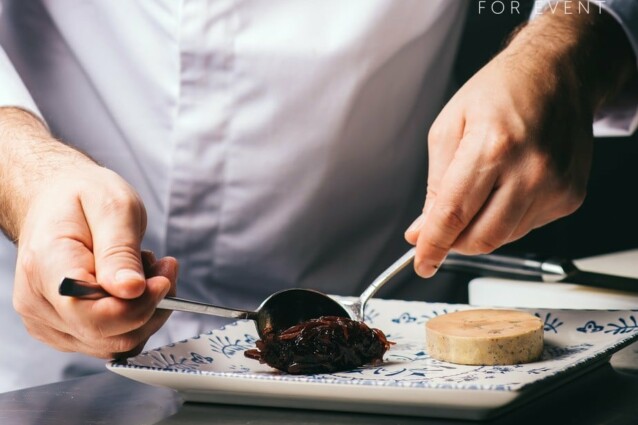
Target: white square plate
point(212, 368)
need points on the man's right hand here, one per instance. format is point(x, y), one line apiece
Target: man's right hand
point(73, 218)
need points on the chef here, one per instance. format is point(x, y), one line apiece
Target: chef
point(265, 145)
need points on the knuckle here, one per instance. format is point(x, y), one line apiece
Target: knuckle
point(20, 306)
point(138, 319)
point(35, 331)
point(27, 262)
point(452, 218)
point(563, 194)
point(499, 145)
point(430, 254)
point(121, 201)
point(23, 302)
point(88, 333)
point(435, 248)
point(58, 340)
point(103, 345)
point(538, 173)
point(474, 243)
point(484, 246)
point(463, 248)
point(91, 328)
point(573, 201)
point(124, 343)
point(121, 251)
point(436, 132)
point(431, 193)
point(578, 197)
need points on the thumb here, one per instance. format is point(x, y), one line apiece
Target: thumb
point(443, 141)
point(412, 233)
point(117, 232)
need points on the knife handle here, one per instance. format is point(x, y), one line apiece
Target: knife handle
point(494, 265)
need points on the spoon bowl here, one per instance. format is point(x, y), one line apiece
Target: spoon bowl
point(278, 312)
point(290, 307)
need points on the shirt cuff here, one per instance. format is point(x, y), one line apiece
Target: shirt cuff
point(621, 117)
point(12, 90)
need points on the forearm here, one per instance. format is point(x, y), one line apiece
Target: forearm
point(29, 155)
point(589, 52)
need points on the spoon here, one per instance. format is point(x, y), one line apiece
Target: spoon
point(278, 312)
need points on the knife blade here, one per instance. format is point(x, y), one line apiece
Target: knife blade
point(550, 270)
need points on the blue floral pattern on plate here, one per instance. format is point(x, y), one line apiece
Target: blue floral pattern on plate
point(573, 339)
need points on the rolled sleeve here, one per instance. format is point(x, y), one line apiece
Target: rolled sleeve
point(12, 90)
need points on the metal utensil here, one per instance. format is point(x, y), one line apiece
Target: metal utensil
point(551, 270)
point(278, 312)
point(357, 307)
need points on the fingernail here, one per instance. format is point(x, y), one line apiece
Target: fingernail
point(127, 275)
point(416, 224)
point(423, 270)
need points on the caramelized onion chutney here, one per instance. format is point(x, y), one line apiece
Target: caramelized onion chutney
point(324, 345)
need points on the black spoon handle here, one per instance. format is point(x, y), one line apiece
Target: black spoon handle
point(92, 291)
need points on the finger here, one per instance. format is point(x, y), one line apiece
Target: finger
point(38, 274)
point(464, 189)
point(112, 316)
point(169, 267)
point(493, 226)
point(132, 342)
point(117, 224)
point(443, 140)
point(411, 234)
point(166, 266)
point(148, 259)
point(106, 348)
point(62, 341)
point(143, 334)
point(51, 336)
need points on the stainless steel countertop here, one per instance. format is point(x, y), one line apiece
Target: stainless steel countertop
point(602, 396)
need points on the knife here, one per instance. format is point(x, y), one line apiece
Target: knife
point(552, 270)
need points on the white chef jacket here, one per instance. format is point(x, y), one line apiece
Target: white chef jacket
point(275, 144)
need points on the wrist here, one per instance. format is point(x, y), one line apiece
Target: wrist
point(586, 54)
point(30, 157)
